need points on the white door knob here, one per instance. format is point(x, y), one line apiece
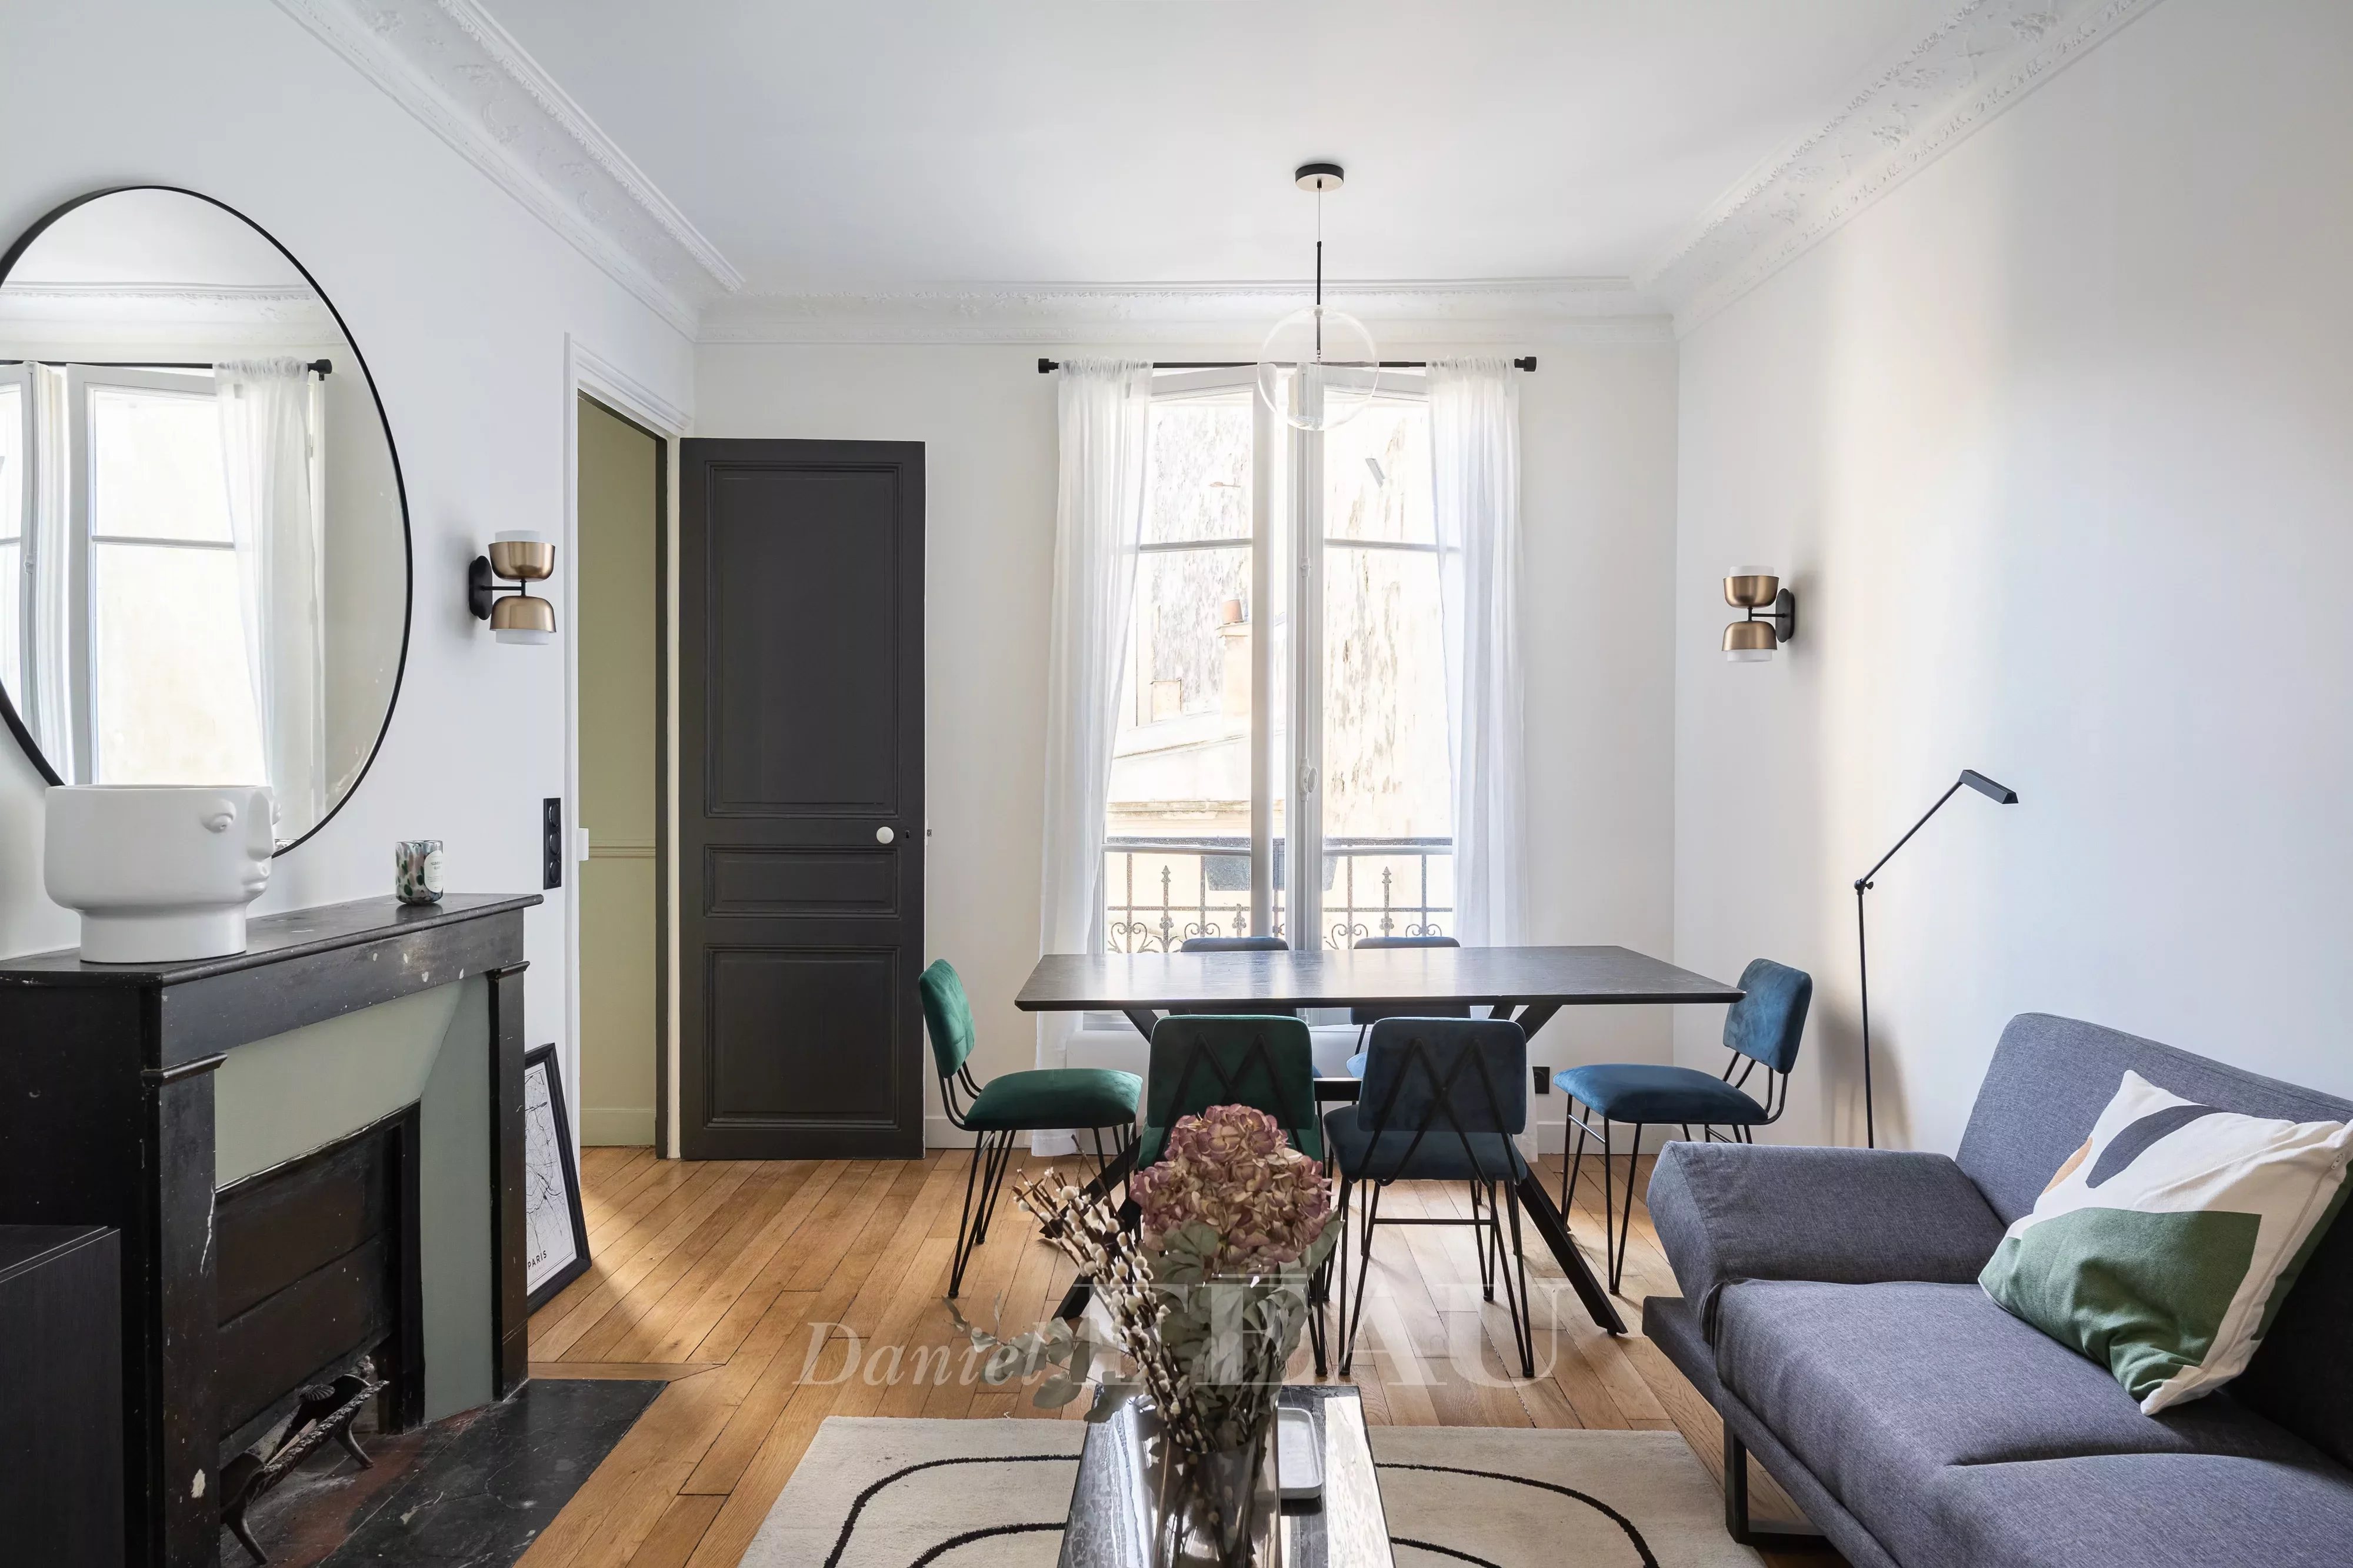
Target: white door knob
point(883, 835)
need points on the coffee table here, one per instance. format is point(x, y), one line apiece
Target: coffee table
point(1110, 1524)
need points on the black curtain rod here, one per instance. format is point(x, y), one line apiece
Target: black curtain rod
point(317, 366)
point(1048, 366)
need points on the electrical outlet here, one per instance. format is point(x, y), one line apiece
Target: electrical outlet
point(551, 842)
point(1543, 1078)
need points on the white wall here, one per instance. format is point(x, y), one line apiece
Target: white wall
point(2055, 445)
point(1597, 432)
point(460, 300)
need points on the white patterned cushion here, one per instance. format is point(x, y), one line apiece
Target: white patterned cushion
point(2164, 1247)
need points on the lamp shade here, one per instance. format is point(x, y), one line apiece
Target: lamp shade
point(521, 557)
point(1749, 642)
point(520, 618)
point(1318, 368)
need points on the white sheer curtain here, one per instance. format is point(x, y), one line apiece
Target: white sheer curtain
point(47, 687)
point(1474, 437)
point(274, 518)
point(1105, 407)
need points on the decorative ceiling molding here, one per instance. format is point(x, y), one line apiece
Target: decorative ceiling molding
point(1984, 57)
point(1047, 314)
point(454, 68)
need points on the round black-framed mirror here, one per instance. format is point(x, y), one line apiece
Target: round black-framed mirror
point(202, 509)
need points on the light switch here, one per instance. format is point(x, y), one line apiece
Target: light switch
point(584, 843)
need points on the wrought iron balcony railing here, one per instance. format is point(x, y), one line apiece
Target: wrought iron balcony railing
point(1159, 892)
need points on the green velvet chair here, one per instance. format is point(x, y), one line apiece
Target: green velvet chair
point(1266, 1062)
point(1041, 1100)
point(1201, 1059)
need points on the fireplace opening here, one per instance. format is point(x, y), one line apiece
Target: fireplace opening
point(316, 1270)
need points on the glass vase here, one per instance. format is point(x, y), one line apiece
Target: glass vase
point(1221, 1509)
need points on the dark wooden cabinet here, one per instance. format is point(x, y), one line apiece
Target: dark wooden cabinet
point(106, 1118)
point(60, 1394)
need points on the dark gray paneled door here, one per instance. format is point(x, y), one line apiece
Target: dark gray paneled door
point(801, 799)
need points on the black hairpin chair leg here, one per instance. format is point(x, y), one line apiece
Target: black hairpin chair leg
point(1354, 1319)
point(991, 1153)
point(1617, 1258)
point(1481, 1212)
point(1524, 1327)
point(1572, 1163)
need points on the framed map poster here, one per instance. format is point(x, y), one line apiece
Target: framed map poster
point(555, 1235)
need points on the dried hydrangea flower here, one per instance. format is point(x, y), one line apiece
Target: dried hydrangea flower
point(1231, 1169)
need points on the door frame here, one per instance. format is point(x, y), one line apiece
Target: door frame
point(589, 373)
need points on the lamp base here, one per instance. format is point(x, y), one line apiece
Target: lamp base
point(481, 587)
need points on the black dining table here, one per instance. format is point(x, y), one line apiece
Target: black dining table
point(1528, 984)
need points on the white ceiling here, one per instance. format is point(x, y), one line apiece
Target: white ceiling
point(863, 147)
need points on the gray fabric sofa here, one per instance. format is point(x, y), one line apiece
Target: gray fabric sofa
point(1830, 1312)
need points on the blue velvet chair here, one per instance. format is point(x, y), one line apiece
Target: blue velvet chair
point(1442, 1100)
point(1365, 1017)
point(1235, 944)
point(1044, 1100)
point(1762, 1029)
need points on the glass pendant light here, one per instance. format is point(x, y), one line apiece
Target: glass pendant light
point(1318, 367)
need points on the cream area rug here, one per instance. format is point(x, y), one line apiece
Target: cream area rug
point(875, 1493)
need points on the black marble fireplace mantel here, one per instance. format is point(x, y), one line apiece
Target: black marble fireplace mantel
point(106, 1118)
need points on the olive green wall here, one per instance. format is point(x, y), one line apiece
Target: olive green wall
point(618, 478)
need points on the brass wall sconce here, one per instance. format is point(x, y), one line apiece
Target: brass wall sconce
point(515, 616)
point(1753, 638)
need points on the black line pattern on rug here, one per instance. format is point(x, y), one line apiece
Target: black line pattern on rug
point(953, 1541)
point(1622, 1522)
point(841, 1541)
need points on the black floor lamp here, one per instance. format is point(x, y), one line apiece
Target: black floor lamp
point(2000, 794)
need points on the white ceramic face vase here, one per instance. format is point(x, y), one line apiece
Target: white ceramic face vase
point(158, 873)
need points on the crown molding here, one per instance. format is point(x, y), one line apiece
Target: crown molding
point(1498, 311)
point(449, 64)
point(1984, 57)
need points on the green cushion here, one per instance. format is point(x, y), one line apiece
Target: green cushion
point(947, 1015)
point(1055, 1097)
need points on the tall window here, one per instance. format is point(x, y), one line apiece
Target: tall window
point(1282, 572)
point(167, 693)
point(1386, 789)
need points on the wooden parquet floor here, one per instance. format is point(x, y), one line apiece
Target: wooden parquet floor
point(776, 1294)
